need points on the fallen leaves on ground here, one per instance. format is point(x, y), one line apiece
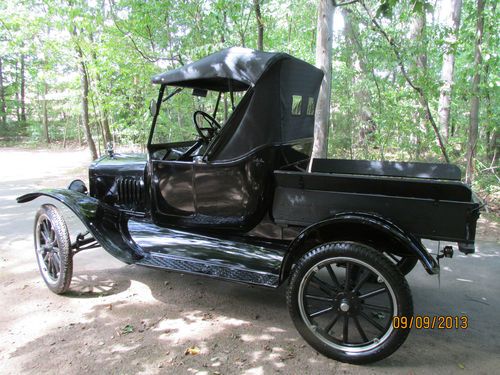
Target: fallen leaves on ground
point(127, 329)
point(193, 350)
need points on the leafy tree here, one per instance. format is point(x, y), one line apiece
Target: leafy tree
point(393, 94)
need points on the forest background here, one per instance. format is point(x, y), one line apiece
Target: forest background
point(411, 80)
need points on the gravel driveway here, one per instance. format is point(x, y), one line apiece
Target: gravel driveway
point(127, 319)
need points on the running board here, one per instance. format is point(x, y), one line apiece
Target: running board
point(198, 267)
point(253, 261)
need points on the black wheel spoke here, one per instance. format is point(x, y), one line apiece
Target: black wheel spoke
point(345, 331)
point(332, 276)
point(373, 293)
point(52, 235)
point(320, 312)
point(359, 328)
point(348, 268)
point(47, 227)
point(57, 262)
point(319, 298)
point(366, 275)
point(50, 265)
point(324, 287)
point(377, 307)
point(53, 266)
point(44, 226)
point(45, 235)
point(332, 323)
point(57, 269)
point(372, 322)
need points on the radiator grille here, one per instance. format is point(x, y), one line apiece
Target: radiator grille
point(130, 190)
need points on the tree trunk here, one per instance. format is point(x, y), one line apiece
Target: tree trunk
point(105, 127)
point(3, 107)
point(362, 95)
point(85, 107)
point(104, 122)
point(224, 25)
point(84, 78)
point(79, 135)
point(323, 62)
point(45, 118)
point(448, 69)
point(492, 139)
point(65, 129)
point(417, 36)
point(23, 89)
point(18, 112)
point(493, 147)
point(474, 105)
point(260, 25)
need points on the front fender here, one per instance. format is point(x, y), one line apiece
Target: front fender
point(366, 220)
point(106, 224)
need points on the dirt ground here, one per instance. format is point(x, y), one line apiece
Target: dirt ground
point(130, 320)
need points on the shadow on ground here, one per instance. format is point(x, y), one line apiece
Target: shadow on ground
point(144, 320)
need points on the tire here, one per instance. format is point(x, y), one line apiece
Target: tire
point(53, 249)
point(320, 303)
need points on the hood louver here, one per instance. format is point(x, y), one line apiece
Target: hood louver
point(130, 191)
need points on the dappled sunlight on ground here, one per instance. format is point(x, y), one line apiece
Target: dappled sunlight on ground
point(39, 164)
point(134, 320)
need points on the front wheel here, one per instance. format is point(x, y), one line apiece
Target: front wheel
point(342, 299)
point(53, 249)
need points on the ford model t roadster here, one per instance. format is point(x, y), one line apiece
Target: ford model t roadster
point(237, 203)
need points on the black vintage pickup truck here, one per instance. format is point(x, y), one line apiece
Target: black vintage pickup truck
point(237, 203)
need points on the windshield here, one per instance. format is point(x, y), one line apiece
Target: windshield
point(175, 118)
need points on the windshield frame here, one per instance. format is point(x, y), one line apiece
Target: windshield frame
point(177, 90)
point(155, 116)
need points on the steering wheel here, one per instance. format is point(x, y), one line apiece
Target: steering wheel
point(206, 133)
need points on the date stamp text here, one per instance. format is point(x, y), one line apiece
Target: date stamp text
point(430, 322)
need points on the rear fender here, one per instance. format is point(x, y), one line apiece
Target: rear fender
point(106, 224)
point(357, 227)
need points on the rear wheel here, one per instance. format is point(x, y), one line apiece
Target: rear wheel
point(342, 299)
point(53, 249)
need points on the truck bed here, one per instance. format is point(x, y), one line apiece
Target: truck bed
point(427, 200)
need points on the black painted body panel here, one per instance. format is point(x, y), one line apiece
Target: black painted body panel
point(247, 260)
point(138, 241)
point(387, 168)
point(121, 181)
point(229, 196)
point(439, 210)
point(107, 224)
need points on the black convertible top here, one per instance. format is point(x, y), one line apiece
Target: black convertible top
point(277, 108)
point(234, 68)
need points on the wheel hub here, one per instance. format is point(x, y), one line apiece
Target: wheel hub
point(346, 302)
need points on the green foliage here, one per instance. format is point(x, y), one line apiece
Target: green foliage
point(374, 112)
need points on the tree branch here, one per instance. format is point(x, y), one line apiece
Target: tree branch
point(418, 89)
point(335, 4)
point(136, 47)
